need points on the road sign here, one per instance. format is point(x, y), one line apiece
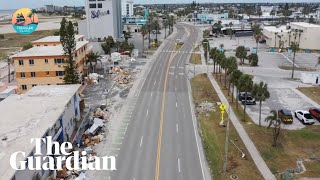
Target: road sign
point(223, 107)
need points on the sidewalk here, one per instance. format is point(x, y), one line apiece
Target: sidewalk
point(261, 165)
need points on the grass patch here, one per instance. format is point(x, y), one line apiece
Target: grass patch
point(178, 46)
point(195, 58)
point(312, 92)
point(213, 136)
point(294, 144)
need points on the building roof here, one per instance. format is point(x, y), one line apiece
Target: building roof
point(29, 116)
point(54, 39)
point(304, 24)
point(276, 29)
point(46, 50)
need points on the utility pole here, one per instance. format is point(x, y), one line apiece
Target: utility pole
point(226, 144)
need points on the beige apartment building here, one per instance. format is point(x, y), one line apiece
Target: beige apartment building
point(44, 63)
point(309, 35)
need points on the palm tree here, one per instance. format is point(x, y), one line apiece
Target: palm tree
point(221, 46)
point(257, 31)
point(31, 15)
point(274, 121)
point(234, 80)
point(232, 66)
point(156, 26)
point(149, 29)
point(245, 84)
point(230, 29)
point(144, 32)
point(241, 53)
point(93, 58)
point(212, 55)
point(275, 39)
point(165, 25)
point(272, 13)
point(260, 93)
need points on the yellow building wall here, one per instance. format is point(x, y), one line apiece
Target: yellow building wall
point(40, 68)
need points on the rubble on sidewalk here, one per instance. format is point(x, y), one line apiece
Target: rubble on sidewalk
point(93, 78)
point(124, 78)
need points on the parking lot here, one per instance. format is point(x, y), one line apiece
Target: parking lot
point(283, 93)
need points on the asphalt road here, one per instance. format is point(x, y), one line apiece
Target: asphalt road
point(161, 143)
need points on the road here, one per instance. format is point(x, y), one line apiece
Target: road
point(161, 141)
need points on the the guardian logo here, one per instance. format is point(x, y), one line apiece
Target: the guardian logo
point(57, 155)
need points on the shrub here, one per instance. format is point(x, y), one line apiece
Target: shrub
point(1, 36)
point(27, 46)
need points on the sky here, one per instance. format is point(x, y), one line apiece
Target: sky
point(16, 4)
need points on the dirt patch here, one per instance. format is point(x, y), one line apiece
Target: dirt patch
point(312, 92)
point(195, 58)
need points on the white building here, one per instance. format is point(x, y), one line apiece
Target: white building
point(103, 19)
point(127, 8)
point(309, 38)
point(43, 111)
point(318, 14)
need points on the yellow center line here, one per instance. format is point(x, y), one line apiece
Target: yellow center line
point(161, 119)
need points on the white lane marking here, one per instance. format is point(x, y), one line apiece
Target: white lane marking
point(176, 104)
point(147, 112)
point(179, 165)
point(158, 71)
point(154, 82)
point(289, 60)
point(177, 128)
point(194, 130)
point(141, 141)
point(151, 94)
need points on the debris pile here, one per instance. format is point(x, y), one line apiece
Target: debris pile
point(123, 78)
point(205, 107)
point(93, 78)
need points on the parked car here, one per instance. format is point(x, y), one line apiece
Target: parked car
point(285, 116)
point(242, 95)
point(250, 101)
point(315, 113)
point(263, 41)
point(304, 117)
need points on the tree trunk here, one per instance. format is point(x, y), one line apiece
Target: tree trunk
point(225, 79)
point(229, 89)
point(9, 71)
point(165, 32)
point(232, 95)
point(237, 103)
point(260, 113)
point(149, 40)
point(142, 44)
point(293, 62)
point(214, 67)
point(245, 106)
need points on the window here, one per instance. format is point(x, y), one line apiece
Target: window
point(92, 0)
point(93, 6)
point(33, 74)
point(24, 87)
point(23, 75)
point(33, 85)
point(47, 73)
point(99, 5)
point(46, 61)
point(59, 61)
point(59, 73)
point(21, 62)
point(31, 62)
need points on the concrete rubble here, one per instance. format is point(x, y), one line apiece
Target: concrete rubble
point(94, 135)
point(123, 78)
point(205, 107)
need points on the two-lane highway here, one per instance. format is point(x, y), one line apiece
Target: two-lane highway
point(161, 141)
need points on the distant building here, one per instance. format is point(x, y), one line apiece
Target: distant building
point(7, 89)
point(44, 63)
point(49, 8)
point(309, 39)
point(103, 19)
point(41, 112)
point(210, 17)
point(127, 8)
